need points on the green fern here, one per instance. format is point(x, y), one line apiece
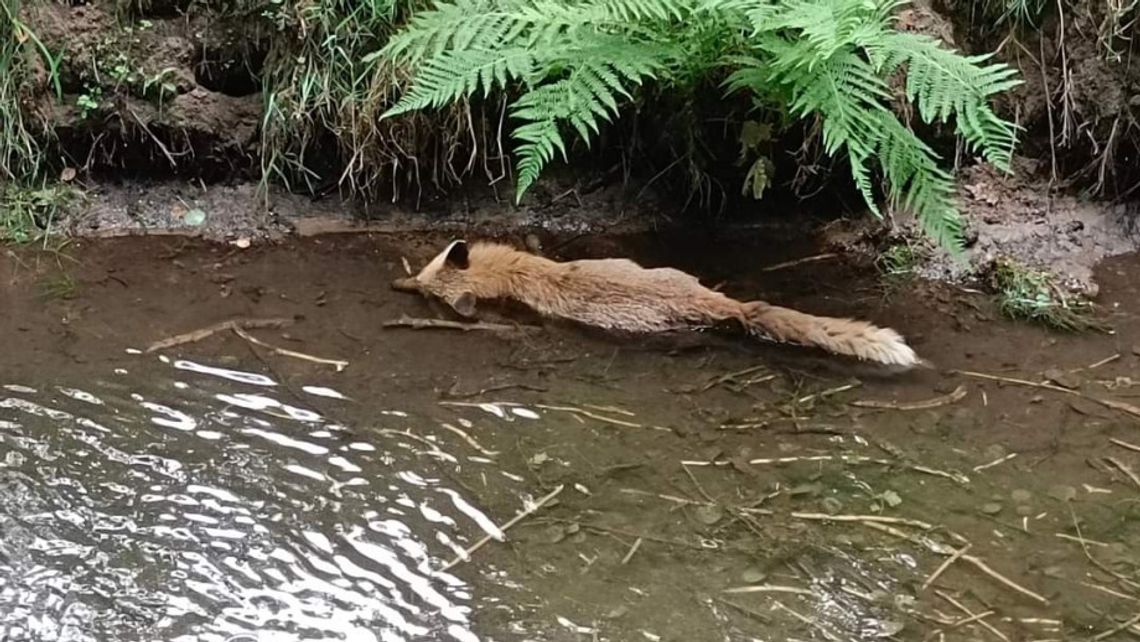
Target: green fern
point(574, 64)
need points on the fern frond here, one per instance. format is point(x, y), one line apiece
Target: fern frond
point(451, 76)
point(945, 84)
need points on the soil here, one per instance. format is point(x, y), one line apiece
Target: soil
point(637, 545)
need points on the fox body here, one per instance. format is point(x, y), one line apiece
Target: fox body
point(619, 294)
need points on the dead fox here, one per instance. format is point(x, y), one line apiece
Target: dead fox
point(618, 294)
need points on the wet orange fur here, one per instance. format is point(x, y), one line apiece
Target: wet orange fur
point(618, 294)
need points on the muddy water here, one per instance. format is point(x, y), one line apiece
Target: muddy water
point(704, 490)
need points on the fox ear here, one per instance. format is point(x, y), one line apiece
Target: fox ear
point(457, 255)
point(464, 304)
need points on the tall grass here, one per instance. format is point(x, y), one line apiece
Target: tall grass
point(24, 62)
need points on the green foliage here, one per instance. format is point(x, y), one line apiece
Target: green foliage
point(317, 80)
point(21, 133)
point(28, 215)
point(573, 65)
point(1032, 295)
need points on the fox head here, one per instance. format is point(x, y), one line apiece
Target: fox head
point(445, 277)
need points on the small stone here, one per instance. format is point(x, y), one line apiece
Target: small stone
point(554, 534)
point(1062, 378)
point(1021, 495)
point(995, 451)
point(1024, 510)
point(991, 508)
point(753, 576)
point(194, 217)
point(573, 528)
point(831, 505)
point(615, 613)
point(708, 515)
point(1055, 572)
point(1063, 493)
point(1136, 349)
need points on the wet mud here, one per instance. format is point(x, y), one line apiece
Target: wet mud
point(704, 489)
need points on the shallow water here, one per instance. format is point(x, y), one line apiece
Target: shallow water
point(704, 491)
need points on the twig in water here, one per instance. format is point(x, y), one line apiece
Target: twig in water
point(1131, 474)
point(452, 394)
point(1104, 361)
point(881, 519)
point(942, 400)
point(591, 415)
point(806, 620)
point(745, 610)
point(827, 393)
point(1125, 444)
point(806, 259)
point(725, 378)
point(198, 335)
point(847, 459)
point(999, 460)
point(632, 550)
point(470, 440)
point(514, 520)
point(768, 588)
point(407, 267)
point(963, 608)
point(1116, 629)
point(945, 565)
point(1108, 403)
point(945, 550)
point(339, 364)
point(414, 323)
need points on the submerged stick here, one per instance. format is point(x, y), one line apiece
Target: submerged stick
point(414, 323)
point(926, 404)
point(339, 364)
point(514, 520)
point(208, 331)
point(846, 459)
point(1108, 403)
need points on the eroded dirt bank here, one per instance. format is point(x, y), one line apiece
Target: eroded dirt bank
point(711, 490)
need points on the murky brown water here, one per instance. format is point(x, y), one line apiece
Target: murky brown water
point(709, 491)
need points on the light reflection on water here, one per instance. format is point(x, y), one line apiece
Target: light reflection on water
point(201, 506)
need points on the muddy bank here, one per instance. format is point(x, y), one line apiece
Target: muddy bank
point(705, 504)
point(1013, 217)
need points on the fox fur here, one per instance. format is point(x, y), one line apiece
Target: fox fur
point(619, 294)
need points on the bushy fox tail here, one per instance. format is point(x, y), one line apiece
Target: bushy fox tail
point(839, 336)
